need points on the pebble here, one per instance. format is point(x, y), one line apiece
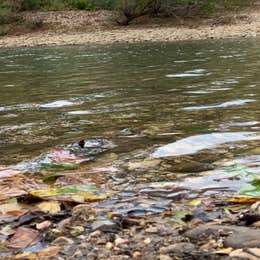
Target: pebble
point(43, 225)
point(147, 241)
point(109, 246)
point(120, 241)
point(77, 230)
point(178, 248)
point(165, 257)
point(63, 241)
point(104, 226)
point(137, 255)
point(151, 230)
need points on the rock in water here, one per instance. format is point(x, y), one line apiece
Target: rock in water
point(194, 144)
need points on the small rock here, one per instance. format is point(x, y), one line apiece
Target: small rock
point(237, 237)
point(178, 248)
point(137, 255)
point(120, 241)
point(105, 226)
point(165, 257)
point(77, 230)
point(151, 230)
point(96, 233)
point(55, 233)
point(147, 241)
point(43, 225)
point(109, 246)
point(62, 241)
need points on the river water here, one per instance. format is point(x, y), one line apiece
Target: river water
point(139, 96)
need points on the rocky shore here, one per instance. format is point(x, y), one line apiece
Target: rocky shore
point(78, 28)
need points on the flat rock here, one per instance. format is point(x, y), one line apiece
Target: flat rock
point(178, 248)
point(235, 237)
point(104, 226)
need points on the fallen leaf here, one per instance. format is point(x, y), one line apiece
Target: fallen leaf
point(71, 193)
point(51, 207)
point(53, 167)
point(11, 209)
point(244, 200)
point(24, 237)
point(194, 202)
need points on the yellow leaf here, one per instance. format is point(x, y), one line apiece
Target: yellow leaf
point(244, 200)
point(10, 207)
point(51, 207)
point(194, 202)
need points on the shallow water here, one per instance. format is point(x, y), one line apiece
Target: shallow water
point(136, 95)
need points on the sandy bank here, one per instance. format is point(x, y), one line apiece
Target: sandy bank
point(243, 24)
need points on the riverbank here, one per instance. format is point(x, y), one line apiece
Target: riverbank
point(79, 28)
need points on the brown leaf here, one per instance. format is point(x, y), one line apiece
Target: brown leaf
point(24, 237)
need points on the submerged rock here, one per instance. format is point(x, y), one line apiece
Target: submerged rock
point(197, 143)
point(86, 148)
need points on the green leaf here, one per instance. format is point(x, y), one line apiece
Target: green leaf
point(252, 190)
point(242, 171)
point(76, 193)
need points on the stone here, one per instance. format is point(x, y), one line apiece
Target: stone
point(137, 255)
point(165, 257)
point(147, 241)
point(151, 230)
point(120, 241)
point(43, 225)
point(62, 241)
point(109, 246)
point(105, 226)
point(77, 230)
point(178, 248)
point(235, 236)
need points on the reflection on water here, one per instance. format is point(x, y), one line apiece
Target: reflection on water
point(59, 95)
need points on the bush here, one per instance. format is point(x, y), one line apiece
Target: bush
point(8, 11)
point(44, 5)
point(130, 9)
point(4, 29)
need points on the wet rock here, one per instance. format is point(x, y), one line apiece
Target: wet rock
point(105, 226)
point(91, 147)
point(235, 237)
point(178, 248)
point(62, 241)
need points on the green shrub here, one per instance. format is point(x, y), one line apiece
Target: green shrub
point(9, 11)
point(4, 29)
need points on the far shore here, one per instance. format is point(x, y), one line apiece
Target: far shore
point(246, 24)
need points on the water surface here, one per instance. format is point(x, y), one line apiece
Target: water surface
point(137, 95)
